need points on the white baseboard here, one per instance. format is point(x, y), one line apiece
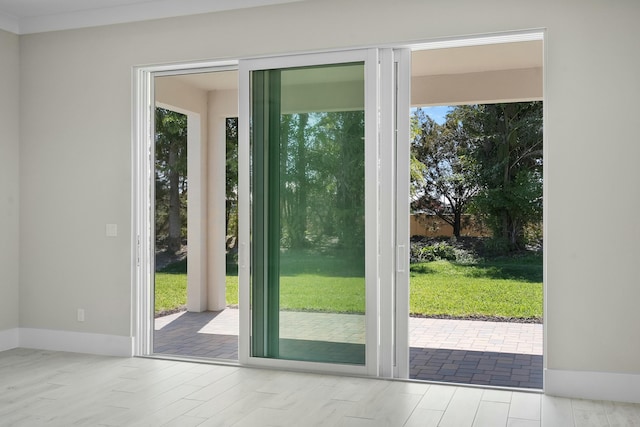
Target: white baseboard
point(592, 385)
point(77, 342)
point(9, 338)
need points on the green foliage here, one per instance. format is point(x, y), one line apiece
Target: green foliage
point(437, 251)
point(170, 178)
point(231, 177)
point(425, 251)
point(442, 178)
point(484, 158)
point(322, 181)
point(508, 155)
point(533, 234)
point(497, 246)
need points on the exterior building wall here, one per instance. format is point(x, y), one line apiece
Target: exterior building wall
point(434, 226)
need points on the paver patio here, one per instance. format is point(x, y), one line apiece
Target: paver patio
point(458, 351)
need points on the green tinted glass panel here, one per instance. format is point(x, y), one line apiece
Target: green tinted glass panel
point(308, 230)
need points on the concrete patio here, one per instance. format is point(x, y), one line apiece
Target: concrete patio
point(457, 351)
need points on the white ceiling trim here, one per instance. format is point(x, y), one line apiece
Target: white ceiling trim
point(147, 10)
point(514, 37)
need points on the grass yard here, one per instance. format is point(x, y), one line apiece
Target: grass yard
point(507, 288)
point(171, 291)
point(309, 282)
point(510, 288)
point(343, 294)
point(307, 292)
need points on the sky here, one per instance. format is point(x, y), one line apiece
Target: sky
point(437, 113)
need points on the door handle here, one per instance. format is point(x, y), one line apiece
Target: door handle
point(401, 257)
point(243, 255)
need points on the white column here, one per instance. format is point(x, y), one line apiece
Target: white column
point(222, 104)
point(196, 214)
point(183, 98)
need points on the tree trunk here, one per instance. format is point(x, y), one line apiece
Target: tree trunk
point(457, 223)
point(300, 173)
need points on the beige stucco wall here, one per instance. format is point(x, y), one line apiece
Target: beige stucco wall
point(9, 184)
point(434, 226)
point(478, 88)
point(76, 150)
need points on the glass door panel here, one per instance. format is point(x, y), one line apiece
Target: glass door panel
point(308, 290)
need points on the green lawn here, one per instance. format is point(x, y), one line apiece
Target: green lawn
point(336, 294)
point(171, 291)
point(502, 288)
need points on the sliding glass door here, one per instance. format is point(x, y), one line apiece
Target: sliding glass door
point(323, 157)
point(321, 248)
point(311, 278)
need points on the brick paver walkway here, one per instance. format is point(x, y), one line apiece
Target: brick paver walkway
point(476, 352)
point(460, 351)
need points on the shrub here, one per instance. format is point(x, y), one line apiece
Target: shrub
point(435, 252)
point(462, 251)
point(497, 246)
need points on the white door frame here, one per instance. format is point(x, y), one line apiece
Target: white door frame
point(389, 198)
point(400, 203)
point(372, 179)
point(142, 193)
point(402, 177)
point(386, 336)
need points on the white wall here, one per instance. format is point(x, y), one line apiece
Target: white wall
point(9, 200)
point(76, 155)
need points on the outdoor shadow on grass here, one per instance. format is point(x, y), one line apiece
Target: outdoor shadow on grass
point(422, 268)
point(508, 270)
point(232, 270)
point(178, 267)
point(523, 269)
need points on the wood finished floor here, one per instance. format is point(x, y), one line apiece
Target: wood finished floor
point(39, 388)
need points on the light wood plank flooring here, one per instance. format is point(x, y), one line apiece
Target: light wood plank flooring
point(39, 388)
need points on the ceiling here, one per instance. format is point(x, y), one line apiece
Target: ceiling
point(430, 62)
point(32, 16)
point(477, 59)
point(35, 16)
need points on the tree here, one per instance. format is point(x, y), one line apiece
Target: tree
point(443, 176)
point(507, 151)
point(171, 177)
point(231, 180)
point(322, 180)
point(295, 185)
